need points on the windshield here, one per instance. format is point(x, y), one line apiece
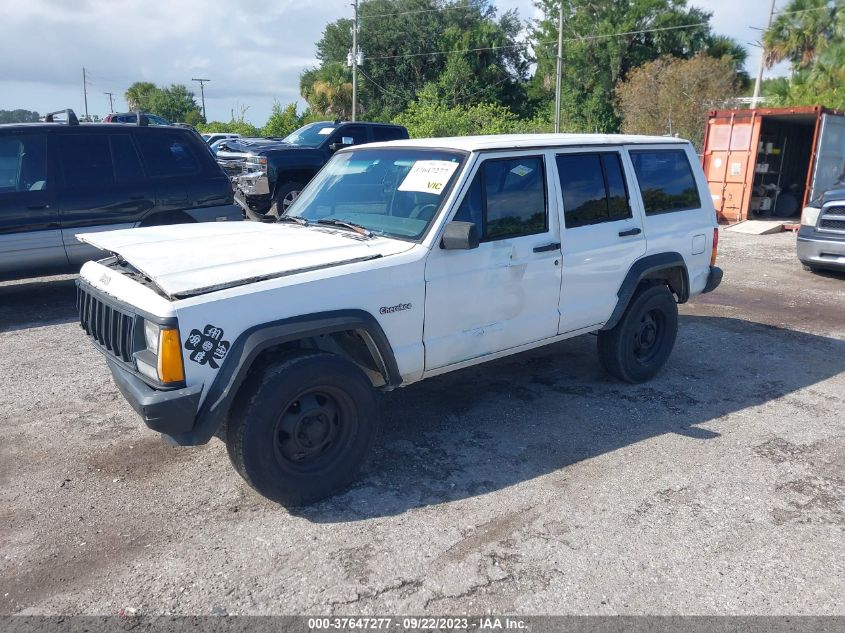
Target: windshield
point(311, 135)
point(395, 192)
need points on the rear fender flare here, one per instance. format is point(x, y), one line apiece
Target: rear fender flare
point(650, 267)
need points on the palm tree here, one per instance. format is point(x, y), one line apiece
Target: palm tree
point(802, 30)
point(328, 90)
point(139, 94)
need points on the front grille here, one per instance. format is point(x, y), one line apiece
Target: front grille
point(111, 328)
point(833, 225)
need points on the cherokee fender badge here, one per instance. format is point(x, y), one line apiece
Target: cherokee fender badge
point(399, 307)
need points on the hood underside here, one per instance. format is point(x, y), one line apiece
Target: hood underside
point(185, 260)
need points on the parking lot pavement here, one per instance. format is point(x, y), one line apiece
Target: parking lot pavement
point(534, 484)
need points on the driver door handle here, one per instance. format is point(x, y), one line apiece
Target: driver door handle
point(547, 247)
point(634, 231)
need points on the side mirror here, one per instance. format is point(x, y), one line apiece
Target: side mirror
point(460, 236)
point(344, 140)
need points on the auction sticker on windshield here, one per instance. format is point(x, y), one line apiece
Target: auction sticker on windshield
point(428, 176)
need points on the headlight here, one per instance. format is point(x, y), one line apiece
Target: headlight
point(151, 336)
point(810, 216)
point(162, 359)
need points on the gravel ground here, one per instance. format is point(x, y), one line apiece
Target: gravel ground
point(530, 485)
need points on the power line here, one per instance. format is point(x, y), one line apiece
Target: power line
point(385, 90)
point(527, 44)
point(384, 15)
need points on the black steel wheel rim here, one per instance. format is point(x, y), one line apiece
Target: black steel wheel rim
point(314, 429)
point(648, 336)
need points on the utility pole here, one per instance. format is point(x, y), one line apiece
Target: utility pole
point(559, 67)
point(85, 91)
point(111, 100)
point(202, 83)
point(759, 81)
point(354, 59)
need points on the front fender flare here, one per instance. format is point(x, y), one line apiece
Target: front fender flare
point(252, 342)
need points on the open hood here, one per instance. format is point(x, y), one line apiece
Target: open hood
point(184, 260)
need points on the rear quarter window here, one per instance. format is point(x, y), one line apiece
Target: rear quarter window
point(168, 154)
point(666, 180)
point(388, 134)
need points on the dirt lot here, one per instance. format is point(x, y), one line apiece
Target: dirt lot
point(530, 485)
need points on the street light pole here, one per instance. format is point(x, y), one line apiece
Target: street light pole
point(355, 62)
point(559, 67)
point(759, 81)
point(85, 91)
point(202, 95)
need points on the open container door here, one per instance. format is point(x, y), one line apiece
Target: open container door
point(730, 150)
point(829, 163)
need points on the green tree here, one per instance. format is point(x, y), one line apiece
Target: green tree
point(405, 45)
point(427, 117)
point(174, 103)
point(802, 30)
point(19, 116)
point(673, 96)
point(596, 57)
point(139, 95)
point(810, 34)
point(328, 90)
point(282, 121)
point(235, 127)
point(193, 117)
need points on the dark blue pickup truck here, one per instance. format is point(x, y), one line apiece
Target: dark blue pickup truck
point(274, 175)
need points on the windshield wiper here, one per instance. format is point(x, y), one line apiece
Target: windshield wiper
point(360, 230)
point(293, 218)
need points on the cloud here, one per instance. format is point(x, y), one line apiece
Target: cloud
point(252, 52)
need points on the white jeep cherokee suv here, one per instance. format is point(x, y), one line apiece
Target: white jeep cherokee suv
point(399, 261)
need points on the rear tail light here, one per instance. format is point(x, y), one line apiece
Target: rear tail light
point(715, 250)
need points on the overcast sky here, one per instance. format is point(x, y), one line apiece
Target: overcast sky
point(253, 52)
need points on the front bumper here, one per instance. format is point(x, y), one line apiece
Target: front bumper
point(254, 183)
point(170, 412)
point(713, 279)
point(819, 250)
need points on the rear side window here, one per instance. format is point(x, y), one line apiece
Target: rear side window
point(356, 133)
point(666, 180)
point(387, 134)
point(507, 198)
point(593, 187)
point(167, 155)
point(23, 163)
point(127, 163)
point(86, 160)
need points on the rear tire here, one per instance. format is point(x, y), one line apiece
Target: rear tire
point(302, 427)
point(639, 345)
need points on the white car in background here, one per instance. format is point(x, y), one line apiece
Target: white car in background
point(212, 137)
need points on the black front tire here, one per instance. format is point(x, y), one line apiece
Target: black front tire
point(302, 427)
point(639, 345)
